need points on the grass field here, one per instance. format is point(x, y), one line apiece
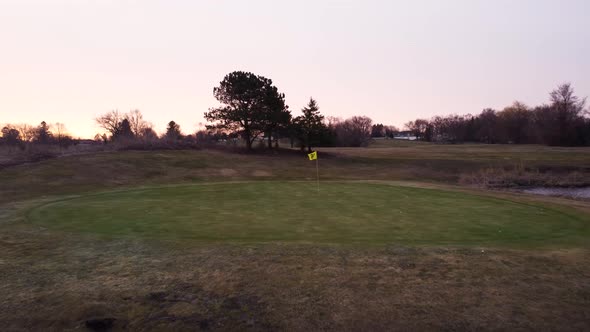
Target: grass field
point(341, 213)
point(211, 240)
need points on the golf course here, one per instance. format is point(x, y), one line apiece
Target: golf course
point(302, 166)
point(340, 213)
point(217, 240)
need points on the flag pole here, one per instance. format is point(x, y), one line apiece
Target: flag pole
point(317, 167)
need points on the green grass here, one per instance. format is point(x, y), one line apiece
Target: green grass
point(342, 213)
point(147, 238)
point(384, 160)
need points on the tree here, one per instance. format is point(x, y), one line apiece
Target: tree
point(173, 131)
point(563, 122)
point(514, 122)
point(355, 131)
point(43, 135)
point(391, 131)
point(378, 130)
point(451, 128)
point(420, 129)
point(63, 139)
point(148, 134)
point(246, 101)
point(27, 132)
point(487, 126)
point(98, 138)
point(110, 121)
point(276, 114)
point(309, 126)
point(123, 130)
point(60, 129)
point(567, 110)
point(137, 123)
point(10, 135)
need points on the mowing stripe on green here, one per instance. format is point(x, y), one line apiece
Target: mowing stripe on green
point(342, 213)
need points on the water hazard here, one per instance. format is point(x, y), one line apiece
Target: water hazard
point(565, 192)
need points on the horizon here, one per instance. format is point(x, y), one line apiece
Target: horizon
point(392, 62)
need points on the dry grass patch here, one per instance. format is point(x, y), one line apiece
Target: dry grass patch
point(53, 282)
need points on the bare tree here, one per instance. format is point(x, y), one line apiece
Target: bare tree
point(137, 123)
point(419, 128)
point(27, 132)
point(390, 131)
point(60, 130)
point(564, 99)
point(568, 109)
point(355, 131)
point(61, 135)
point(331, 121)
point(110, 121)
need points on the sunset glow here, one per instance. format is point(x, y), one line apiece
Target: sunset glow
point(69, 61)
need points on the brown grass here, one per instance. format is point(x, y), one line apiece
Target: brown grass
point(520, 176)
point(57, 281)
point(152, 286)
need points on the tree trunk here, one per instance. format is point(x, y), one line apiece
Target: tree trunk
point(248, 141)
point(270, 141)
point(247, 135)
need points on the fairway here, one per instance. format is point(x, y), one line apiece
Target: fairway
point(294, 212)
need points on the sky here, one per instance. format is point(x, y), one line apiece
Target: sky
point(394, 61)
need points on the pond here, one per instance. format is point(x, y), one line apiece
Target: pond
point(583, 192)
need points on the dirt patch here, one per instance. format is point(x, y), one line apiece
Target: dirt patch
point(228, 172)
point(261, 173)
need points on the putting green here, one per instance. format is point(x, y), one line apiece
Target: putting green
point(345, 213)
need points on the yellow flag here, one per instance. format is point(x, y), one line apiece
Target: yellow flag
point(313, 155)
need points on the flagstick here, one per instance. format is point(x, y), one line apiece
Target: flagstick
point(317, 167)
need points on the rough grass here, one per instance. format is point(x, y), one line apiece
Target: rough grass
point(409, 162)
point(52, 279)
point(521, 177)
point(293, 212)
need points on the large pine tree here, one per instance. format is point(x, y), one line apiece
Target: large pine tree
point(251, 105)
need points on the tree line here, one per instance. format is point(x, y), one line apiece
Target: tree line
point(253, 109)
point(131, 126)
point(44, 133)
point(561, 122)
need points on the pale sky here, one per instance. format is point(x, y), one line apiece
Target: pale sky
point(394, 61)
